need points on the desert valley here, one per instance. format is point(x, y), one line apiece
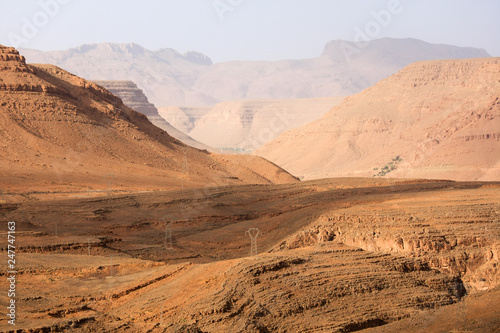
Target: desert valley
point(158, 192)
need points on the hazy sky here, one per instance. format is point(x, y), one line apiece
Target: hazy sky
point(246, 29)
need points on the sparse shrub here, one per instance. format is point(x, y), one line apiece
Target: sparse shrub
point(388, 167)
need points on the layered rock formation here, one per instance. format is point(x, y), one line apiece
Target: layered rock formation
point(135, 99)
point(170, 78)
point(434, 119)
point(246, 125)
point(455, 237)
point(60, 131)
point(183, 117)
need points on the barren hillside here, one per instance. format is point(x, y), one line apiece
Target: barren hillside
point(61, 132)
point(336, 255)
point(433, 119)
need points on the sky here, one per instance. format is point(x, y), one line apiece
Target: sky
point(246, 29)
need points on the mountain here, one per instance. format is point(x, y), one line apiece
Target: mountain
point(247, 124)
point(433, 119)
point(164, 75)
point(170, 78)
point(61, 132)
point(135, 99)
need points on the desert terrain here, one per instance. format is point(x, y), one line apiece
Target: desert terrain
point(433, 119)
point(246, 125)
point(62, 133)
point(172, 78)
point(237, 106)
point(335, 255)
point(135, 99)
point(120, 227)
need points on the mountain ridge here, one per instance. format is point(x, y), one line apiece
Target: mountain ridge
point(134, 98)
point(171, 79)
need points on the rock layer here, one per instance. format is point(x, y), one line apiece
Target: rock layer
point(334, 255)
point(435, 119)
point(135, 99)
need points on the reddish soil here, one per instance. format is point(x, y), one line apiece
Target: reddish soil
point(333, 257)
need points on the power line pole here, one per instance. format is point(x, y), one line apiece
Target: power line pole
point(253, 233)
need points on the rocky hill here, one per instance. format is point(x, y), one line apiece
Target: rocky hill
point(170, 78)
point(61, 132)
point(135, 99)
point(433, 119)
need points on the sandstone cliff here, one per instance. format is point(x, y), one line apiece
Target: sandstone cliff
point(433, 119)
point(135, 99)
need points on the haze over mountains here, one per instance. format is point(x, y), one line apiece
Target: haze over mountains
point(170, 78)
point(166, 250)
point(245, 125)
point(59, 131)
point(433, 119)
point(240, 105)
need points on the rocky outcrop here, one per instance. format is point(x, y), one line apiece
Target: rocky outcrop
point(131, 96)
point(134, 98)
point(11, 60)
point(457, 238)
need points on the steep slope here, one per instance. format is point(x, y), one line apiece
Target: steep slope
point(433, 119)
point(247, 124)
point(169, 78)
point(135, 99)
point(59, 131)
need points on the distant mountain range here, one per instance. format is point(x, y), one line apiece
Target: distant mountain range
point(170, 78)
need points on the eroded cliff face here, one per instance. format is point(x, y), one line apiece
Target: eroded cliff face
point(11, 60)
point(60, 131)
point(134, 98)
point(131, 96)
point(456, 237)
point(441, 118)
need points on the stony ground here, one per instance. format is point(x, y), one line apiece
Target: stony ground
point(337, 255)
